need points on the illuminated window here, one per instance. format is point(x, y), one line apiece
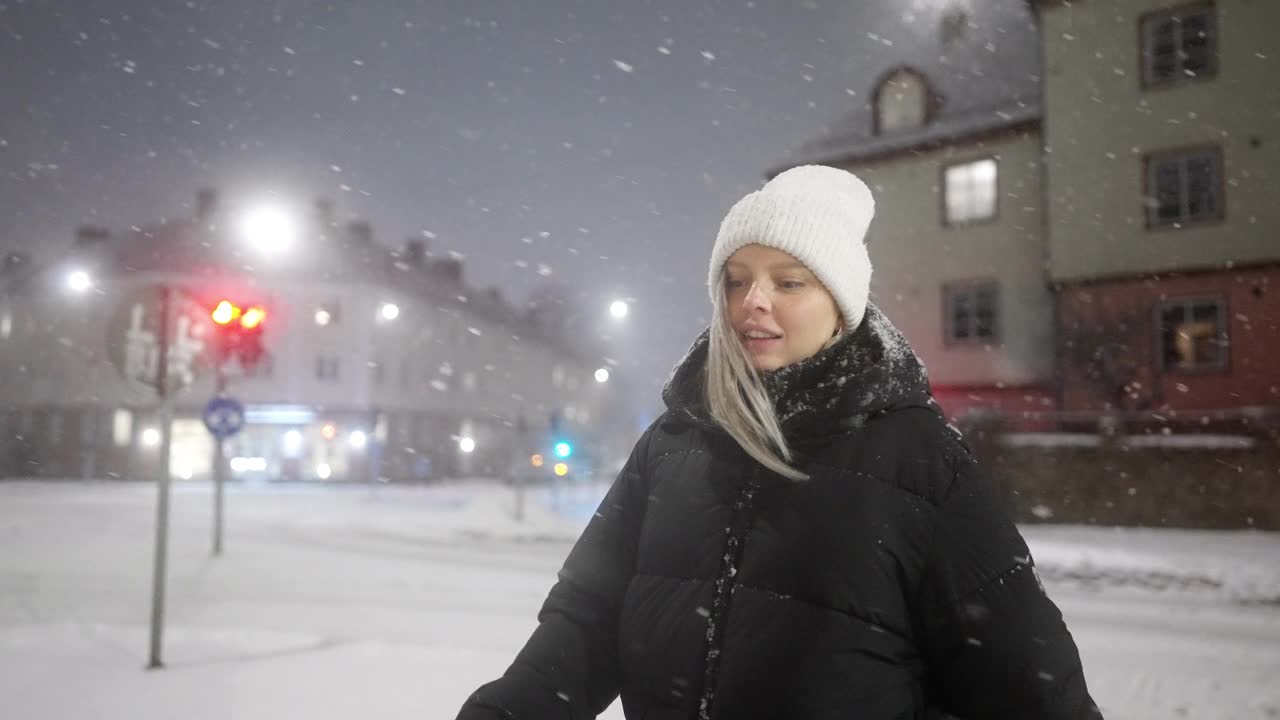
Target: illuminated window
point(1193, 335)
point(970, 191)
point(122, 428)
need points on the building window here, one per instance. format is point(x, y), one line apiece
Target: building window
point(1184, 188)
point(121, 428)
point(55, 428)
point(901, 102)
point(265, 367)
point(1179, 44)
point(970, 191)
point(326, 367)
point(973, 313)
point(1193, 335)
point(88, 427)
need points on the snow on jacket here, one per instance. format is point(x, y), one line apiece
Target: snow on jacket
point(891, 584)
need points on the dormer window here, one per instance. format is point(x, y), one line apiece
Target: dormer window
point(902, 101)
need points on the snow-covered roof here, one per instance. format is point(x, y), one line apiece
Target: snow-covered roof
point(948, 129)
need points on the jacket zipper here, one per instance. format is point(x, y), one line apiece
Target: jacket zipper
point(726, 584)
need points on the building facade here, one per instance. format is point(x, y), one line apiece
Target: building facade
point(1162, 153)
point(1107, 247)
point(379, 364)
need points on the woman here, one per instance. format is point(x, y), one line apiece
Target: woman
point(800, 535)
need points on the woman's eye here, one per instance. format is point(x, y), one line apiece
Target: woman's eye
point(791, 284)
point(733, 283)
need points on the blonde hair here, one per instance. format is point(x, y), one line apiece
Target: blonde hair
point(736, 397)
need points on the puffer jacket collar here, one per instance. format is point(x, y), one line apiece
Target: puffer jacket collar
point(865, 373)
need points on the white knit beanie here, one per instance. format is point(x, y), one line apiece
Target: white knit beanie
point(818, 215)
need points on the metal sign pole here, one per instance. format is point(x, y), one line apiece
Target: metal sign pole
point(162, 502)
point(219, 466)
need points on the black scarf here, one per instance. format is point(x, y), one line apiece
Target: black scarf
point(861, 374)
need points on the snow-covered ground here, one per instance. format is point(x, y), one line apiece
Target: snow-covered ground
point(396, 603)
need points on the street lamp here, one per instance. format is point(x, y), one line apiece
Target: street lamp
point(389, 311)
point(358, 439)
point(466, 445)
point(619, 309)
point(602, 375)
point(269, 229)
point(79, 282)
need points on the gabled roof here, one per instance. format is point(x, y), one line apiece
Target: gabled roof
point(946, 130)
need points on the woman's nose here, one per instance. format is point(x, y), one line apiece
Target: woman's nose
point(756, 298)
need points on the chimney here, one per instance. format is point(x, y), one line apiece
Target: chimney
point(449, 269)
point(360, 232)
point(206, 204)
point(324, 213)
point(88, 236)
point(415, 253)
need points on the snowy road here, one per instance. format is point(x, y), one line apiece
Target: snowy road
point(343, 604)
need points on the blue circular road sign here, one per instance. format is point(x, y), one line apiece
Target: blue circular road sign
point(224, 417)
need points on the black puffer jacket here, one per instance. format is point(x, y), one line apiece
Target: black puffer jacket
point(888, 585)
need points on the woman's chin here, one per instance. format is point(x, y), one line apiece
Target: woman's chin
point(766, 363)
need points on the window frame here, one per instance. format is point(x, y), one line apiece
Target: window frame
point(1223, 365)
point(947, 222)
point(1150, 208)
point(1145, 25)
point(327, 368)
point(930, 99)
point(971, 289)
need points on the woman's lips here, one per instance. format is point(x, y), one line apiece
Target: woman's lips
point(761, 345)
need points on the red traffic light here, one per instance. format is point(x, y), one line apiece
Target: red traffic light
point(225, 312)
point(252, 318)
point(239, 332)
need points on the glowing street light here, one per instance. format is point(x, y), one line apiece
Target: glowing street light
point(358, 439)
point(79, 281)
point(323, 317)
point(602, 375)
point(151, 437)
point(269, 229)
point(619, 309)
point(389, 311)
point(466, 445)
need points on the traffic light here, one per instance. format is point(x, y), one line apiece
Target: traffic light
point(239, 331)
point(563, 449)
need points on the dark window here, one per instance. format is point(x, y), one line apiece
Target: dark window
point(326, 368)
point(1193, 335)
point(1178, 45)
point(1184, 188)
point(973, 313)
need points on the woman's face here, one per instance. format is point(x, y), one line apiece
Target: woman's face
point(779, 310)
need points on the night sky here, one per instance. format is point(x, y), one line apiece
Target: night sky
point(591, 144)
